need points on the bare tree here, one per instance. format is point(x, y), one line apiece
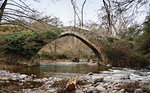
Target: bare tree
point(117, 15)
point(82, 12)
point(76, 14)
point(19, 14)
point(2, 7)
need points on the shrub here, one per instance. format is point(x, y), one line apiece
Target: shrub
point(64, 56)
point(45, 54)
point(28, 44)
point(138, 60)
point(122, 53)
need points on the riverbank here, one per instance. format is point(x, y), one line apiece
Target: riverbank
point(57, 60)
point(115, 80)
point(61, 60)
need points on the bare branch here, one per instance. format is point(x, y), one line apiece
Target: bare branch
point(82, 12)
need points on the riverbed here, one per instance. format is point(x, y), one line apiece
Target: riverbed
point(53, 77)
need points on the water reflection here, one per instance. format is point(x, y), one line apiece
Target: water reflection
point(48, 69)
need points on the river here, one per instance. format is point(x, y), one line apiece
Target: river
point(61, 68)
point(53, 78)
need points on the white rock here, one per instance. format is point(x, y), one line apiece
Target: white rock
point(23, 76)
point(101, 89)
point(135, 77)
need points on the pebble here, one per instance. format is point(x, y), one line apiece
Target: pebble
point(89, 91)
point(138, 91)
point(90, 73)
point(99, 79)
point(95, 91)
point(101, 89)
point(23, 76)
point(105, 82)
point(121, 91)
point(20, 84)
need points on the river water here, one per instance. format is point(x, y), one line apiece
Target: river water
point(48, 77)
point(61, 68)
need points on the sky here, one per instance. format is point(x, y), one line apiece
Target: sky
point(63, 9)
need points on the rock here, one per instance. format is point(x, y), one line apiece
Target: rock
point(138, 91)
point(60, 90)
point(136, 77)
point(116, 88)
point(116, 77)
point(99, 79)
point(1, 82)
point(22, 76)
point(109, 65)
point(77, 91)
point(43, 88)
point(148, 67)
point(20, 84)
point(75, 59)
point(71, 85)
point(89, 91)
point(23, 81)
point(44, 79)
point(37, 80)
point(90, 73)
point(7, 81)
point(51, 91)
point(101, 89)
point(95, 91)
point(121, 91)
point(117, 85)
point(83, 81)
point(13, 78)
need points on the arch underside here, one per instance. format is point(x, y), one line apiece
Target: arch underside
point(85, 42)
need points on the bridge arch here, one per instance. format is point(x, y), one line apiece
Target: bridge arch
point(85, 41)
point(91, 39)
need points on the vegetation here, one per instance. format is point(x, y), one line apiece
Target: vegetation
point(29, 43)
point(128, 46)
point(48, 56)
point(127, 52)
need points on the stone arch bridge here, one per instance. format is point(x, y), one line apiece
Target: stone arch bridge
point(23, 49)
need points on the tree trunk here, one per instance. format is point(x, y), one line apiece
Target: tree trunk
point(2, 9)
point(82, 12)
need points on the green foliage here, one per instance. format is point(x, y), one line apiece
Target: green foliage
point(143, 41)
point(138, 59)
point(123, 53)
point(64, 56)
point(111, 39)
point(48, 55)
point(133, 49)
point(84, 56)
point(29, 43)
point(68, 56)
point(45, 54)
point(131, 32)
point(50, 33)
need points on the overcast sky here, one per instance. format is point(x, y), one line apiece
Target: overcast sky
point(63, 9)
